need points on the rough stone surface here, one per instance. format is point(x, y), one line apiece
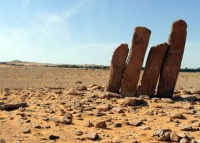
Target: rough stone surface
point(135, 60)
point(132, 101)
point(161, 134)
point(174, 137)
point(117, 68)
point(152, 69)
point(171, 65)
point(13, 105)
point(101, 124)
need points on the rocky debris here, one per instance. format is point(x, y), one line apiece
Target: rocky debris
point(135, 122)
point(88, 124)
point(104, 107)
point(110, 95)
point(101, 124)
point(177, 116)
point(53, 137)
point(91, 136)
point(184, 140)
point(26, 130)
point(140, 42)
point(117, 125)
point(152, 69)
point(117, 67)
point(145, 127)
point(172, 62)
point(167, 100)
point(133, 101)
point(161, 134)
point(13, 105)
point(118, 109)
point(186, 97)
point(174, 137)
point(67, 118)
point(36, 125)
point(186, 128)
point(78, 133)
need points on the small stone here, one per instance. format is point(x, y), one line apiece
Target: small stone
point(104, 107)
point(155, 100)
point(117, 125)
point(174, 137)
point(118, 109)
point(186, 128)
point(91, 136)
point(135, 122)
point(189, 97)
point(184, 140)
point(101, 124)
point(36, 125)
point(177, 116)
point(145, 128)
point(161, 134)
point(88, 124)
point(133, 101)
point(26, 130)
point(53, 137)
point(167, 100)
point(78, 133)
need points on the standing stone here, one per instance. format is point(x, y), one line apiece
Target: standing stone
point(152, 70)
point(171, 65)
point(136, 56)
point(117, 68)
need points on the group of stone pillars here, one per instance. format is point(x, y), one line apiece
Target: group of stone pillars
point(162, 66)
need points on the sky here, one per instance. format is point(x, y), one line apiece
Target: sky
point(88, 31)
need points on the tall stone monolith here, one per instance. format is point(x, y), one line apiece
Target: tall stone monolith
point(135, 60)
point(152, 70)
point(171, 65)
point(116, 69)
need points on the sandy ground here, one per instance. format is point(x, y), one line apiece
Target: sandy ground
point(52, 94)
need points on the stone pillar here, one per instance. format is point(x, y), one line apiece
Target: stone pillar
point(152, 69)
point(135, 60)
point(171, 65)
point(116, 69)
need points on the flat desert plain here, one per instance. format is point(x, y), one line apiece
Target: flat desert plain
point(62, 105)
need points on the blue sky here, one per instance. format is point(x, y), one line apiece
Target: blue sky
point(88, 31)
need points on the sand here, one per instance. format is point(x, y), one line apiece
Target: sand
point(51, 92)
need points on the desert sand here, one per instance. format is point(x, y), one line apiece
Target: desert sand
point(68, 105)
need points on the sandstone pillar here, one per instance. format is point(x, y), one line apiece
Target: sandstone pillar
point(152, 69)
point(171, 65)
point(117, 68)
point(134, 64)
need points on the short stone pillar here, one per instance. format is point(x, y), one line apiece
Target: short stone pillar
point(152, 70)
point(171, 65)
point(116, 68)
point(135, 60)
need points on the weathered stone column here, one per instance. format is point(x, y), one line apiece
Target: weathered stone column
point(152, 69)
point(117, 68)
point(134, 64)
point(171, 65)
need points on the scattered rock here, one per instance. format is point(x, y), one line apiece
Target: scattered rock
point(91, 136)
point(53, 137)
point(174, 137)
point(26, 130)
point(101, 124)
point(13, 105)
point(135, 122)
point(161, 134)
point(133, 101)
